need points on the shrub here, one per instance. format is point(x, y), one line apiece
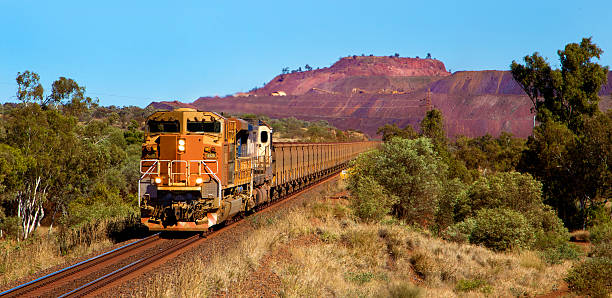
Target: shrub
point(591, 277)
point(359, 278)
point(11, 226)
point(601, 233)
point(422, 265)
point(602, 250)
point(454, 191)
point(550, 229)
point(563, 251)
point(404, 290)
point(512, 190)
point(501, 229)
point(409, 170)
point(368, 200)
point(460, 232)
point(467, 285)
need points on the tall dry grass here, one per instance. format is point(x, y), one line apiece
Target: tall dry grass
point(48, 249)
point(344, 257)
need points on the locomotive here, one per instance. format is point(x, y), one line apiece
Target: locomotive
point(199, 169)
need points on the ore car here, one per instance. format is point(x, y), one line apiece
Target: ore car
point(199, 169)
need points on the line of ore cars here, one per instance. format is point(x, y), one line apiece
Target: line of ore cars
point(199, 169)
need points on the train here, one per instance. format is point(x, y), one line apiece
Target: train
point(199, 168)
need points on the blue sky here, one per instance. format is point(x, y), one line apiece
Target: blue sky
point(134, 52)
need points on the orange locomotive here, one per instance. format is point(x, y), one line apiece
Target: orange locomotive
point(199, 169)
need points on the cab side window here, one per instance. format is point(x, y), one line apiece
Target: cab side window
point(263, 137)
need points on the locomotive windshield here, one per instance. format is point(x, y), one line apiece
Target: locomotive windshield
point(204, 126)
point(163, 126)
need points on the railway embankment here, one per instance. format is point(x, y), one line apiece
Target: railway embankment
point(317, 247)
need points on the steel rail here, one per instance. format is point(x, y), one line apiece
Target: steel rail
point(94, 287)
point(127, 269)
point(117, 274)
point(62, 273)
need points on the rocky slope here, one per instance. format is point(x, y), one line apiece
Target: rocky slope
point(365, 93)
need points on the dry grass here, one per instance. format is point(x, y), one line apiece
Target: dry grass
point(43, 250)
point(580, 235)
point(349, 258)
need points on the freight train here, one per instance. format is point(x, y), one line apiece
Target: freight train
point(199, 169)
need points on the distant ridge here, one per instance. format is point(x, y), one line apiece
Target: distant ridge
point(364, 93)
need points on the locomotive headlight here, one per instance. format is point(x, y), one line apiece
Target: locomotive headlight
point(158, 180)
point(199, 180)
point(181, 145)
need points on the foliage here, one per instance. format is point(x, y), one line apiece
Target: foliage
point(454, 192)
point(432, 126)
point(56, 133)
point(369, 201)
point(591, 277)
point(461, 231)
point(512, 190)
point(565, 94)
point(486, 153)
point(501, 229)
point(11, 226)
point(390, 131)
point(602, 250)
point(601, 233)
point(468, 285)
point(569, 151)
point(561, 252)
point(407, 169)
point(29, 87)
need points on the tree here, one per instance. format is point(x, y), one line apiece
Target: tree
point(396, 55)
point(307, 67)
point(285, 70)
point(568, 150)
point(432, 126)
point(428, 56)
point(411, 174)
point(29, 87)
point(564, 94)
point(390, 131)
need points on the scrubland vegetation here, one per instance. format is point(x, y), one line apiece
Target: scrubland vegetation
point(426, 216)
point(322, 249)
point(292, 129)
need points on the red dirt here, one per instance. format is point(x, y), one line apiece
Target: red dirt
point(357, 93)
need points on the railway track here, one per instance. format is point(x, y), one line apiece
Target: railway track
point(95, 275)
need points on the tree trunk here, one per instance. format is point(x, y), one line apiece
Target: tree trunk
point(30, 208)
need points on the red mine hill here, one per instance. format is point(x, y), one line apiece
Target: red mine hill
point(364, 93)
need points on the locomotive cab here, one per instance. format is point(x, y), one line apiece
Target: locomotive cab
point(198, 168)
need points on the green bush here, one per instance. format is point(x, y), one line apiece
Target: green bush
point(410, 170)
point(11, 226)
point(368, 200)
point(561, 252)
point(591, 277)
point(468, 285)
point(601, 233)
point(550, 229)
point(602, 250)
point(460, 232)
point(501, 229)
point(512, 190)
